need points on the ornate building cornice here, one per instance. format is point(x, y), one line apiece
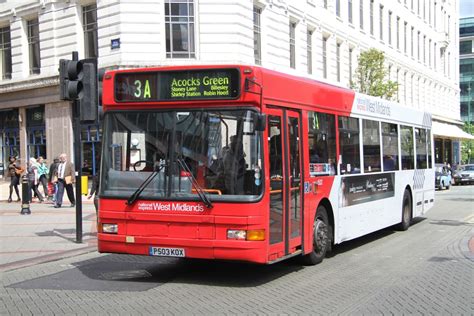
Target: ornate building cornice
point(29, 84)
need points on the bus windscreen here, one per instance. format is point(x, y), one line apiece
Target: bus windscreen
point(201, 84)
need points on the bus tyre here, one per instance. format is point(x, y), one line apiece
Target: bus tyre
point(321, 237)
point(406, 212)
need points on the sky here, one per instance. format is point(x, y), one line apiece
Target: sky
point(466, 8)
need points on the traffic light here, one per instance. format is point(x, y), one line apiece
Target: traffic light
point(70, 79)
point(89, 100)
point(78, 81)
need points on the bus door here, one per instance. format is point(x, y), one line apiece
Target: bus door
point(286, 194)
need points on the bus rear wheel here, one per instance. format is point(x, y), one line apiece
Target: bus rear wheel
point(406, 212)
point(321, 237)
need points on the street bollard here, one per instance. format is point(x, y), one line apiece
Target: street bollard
point(25, 196)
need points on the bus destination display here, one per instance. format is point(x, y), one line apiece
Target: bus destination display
point(201, 84)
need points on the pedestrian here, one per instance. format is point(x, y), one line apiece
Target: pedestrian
point(42, 172)
point(15, 171)
point(95, 190)
point(53, 177)
point(65, 180)
point(33, 180)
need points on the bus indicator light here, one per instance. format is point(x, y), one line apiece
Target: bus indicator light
point(256, 235)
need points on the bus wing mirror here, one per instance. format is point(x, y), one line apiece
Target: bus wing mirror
point(260, 122)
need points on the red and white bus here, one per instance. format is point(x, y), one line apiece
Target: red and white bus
point(244, 163)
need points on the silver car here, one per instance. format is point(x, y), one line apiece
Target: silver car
point(464, 174)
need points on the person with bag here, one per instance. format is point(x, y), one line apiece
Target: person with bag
point(14, 171)
point(33, 180)
point(53, 178)
point(66, 178)
point(95, 190)
point(42, 172)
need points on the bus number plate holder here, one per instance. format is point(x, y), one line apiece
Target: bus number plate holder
point(167, 252)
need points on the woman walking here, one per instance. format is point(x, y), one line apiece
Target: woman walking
point(33, 179)
point(42, 174)
point(15, 171)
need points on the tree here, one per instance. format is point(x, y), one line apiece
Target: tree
point(370, 76)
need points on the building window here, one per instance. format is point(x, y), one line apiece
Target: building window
point(465, 47)
point(5, 53)
point(349, 11)
point(434, 56)
point(405, 26)
point(424, 49)
point(371, 17)
point(351, 50)
point(381, 22)
point(338, 8)
point(418, 45)
point(309, 51)
point(429, 53)
point(412, 47)
point(292, 45)
point(179, 23)
point(89, 20)
point(325, 4)
point(34, 46)
point(257, 39)
point(325, 66)
point(398, 32)
point(361, 15)
point(390, 27)
point(338, 61)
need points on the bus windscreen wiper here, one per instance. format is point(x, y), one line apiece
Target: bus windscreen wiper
point(142, 186)
point(202, 195)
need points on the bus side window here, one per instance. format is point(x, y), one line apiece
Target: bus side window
point(322, 144)
point(371, 145)
point(406, 142)
point(421, 152)
point(390, 146)
point(349, 144)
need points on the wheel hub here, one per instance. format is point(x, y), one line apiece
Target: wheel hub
point(320, 236)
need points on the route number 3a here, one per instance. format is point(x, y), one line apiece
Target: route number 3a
point(142, 90)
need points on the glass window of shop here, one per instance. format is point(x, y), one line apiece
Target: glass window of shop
point(91, 137)
point(9, 138)
point(36, 132)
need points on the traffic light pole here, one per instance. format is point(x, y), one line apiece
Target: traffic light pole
point(77, 162)
point(78, 165)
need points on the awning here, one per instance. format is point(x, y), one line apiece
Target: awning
point(449, 131)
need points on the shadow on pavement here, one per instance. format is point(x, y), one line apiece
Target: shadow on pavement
point(117, 272)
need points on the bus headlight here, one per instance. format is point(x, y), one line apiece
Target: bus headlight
point(251, 235)
point(110, 228)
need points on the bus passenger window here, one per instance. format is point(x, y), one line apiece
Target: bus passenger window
point(349, 144)
point(322, 144)
point(421, 152)
point(390, 146)
point(406, 142)
point(430, 148)
point(371, 148)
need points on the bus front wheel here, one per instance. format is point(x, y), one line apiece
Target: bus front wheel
point(321, 237)
point(406, 212)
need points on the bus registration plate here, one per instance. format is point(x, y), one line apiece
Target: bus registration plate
point(167, 252)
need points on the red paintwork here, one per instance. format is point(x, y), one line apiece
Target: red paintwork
point(203, 234)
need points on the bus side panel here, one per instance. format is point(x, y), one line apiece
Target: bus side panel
point(365, 214)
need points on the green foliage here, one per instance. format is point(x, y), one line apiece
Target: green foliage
point(467, 149)
point(369, 77)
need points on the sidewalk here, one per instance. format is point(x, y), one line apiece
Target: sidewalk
point(47, 234)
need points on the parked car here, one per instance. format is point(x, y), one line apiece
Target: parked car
point(464, 174)
point(442, 177)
